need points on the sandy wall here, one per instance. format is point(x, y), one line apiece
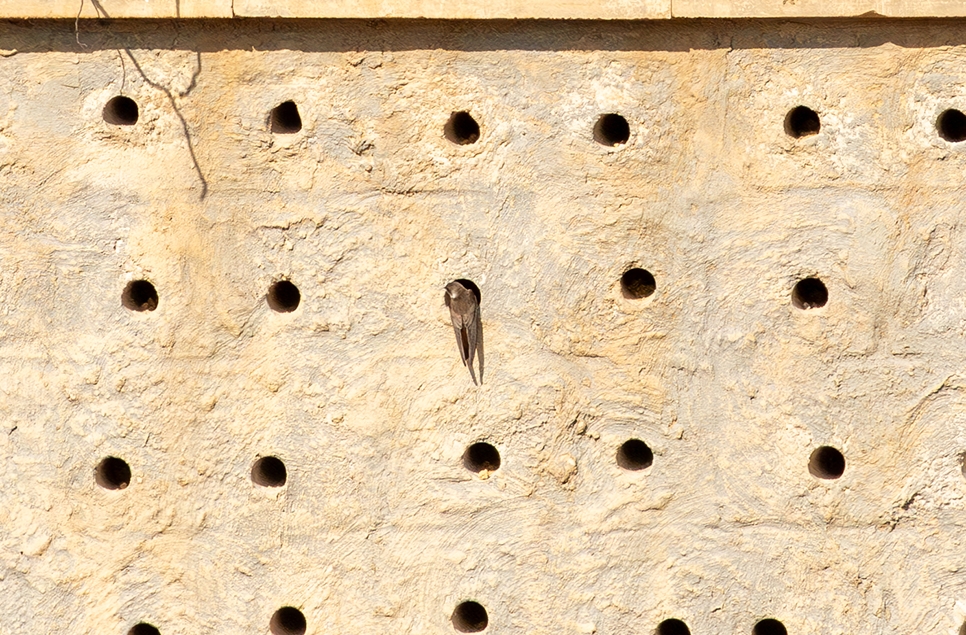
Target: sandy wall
point(369, 210)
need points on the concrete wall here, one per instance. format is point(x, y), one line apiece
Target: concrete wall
point(370, 210)
point(480, 9)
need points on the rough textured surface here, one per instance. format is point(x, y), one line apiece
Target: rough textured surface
point(370, 211)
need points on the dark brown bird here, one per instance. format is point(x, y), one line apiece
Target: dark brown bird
point(464, 310)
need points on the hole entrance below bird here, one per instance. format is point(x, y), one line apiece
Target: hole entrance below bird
point(470, 617)
point(481, 456)
point(288, 620)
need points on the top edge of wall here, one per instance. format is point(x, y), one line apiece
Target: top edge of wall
point(481, 9)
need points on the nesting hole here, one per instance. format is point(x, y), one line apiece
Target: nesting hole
point(962, 629)
point(140, 295)
point(284, 297)
point(470, 617)
point(481, 456)
point(952, 127)
point(673, 627)
point(826, 462)
point(285, 118)
point(637, 284)
point(634, 455)
point(113, 473)
point(769, 627)
point(269, 471)
point(809, 293)
point(802, 121)
point(287, 620)
point(121, 111)
point(143, 629)
point(461, 128)
point(611, 130)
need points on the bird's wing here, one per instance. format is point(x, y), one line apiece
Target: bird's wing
point(458, 328)
point(461, 343)
point(466, 327)
point(471, 330)
point(479, 339)
point(457, 321)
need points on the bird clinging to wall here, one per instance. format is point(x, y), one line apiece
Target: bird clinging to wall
point(464, 310)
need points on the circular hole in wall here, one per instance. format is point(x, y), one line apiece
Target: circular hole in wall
point(962, 629)
point(481, 456)
point(143, 629)
point(121, 111)
point(269, 471)
point(285, 118)
point(112, 473)
point(673, 627)
point(769, 626)
point(802, 121)
point(637, 284)
point(951, 125)
point(287, 620)
point(284, 297)
point(634, 455)
point(470, 617)
point(611, 130)
point(461, 128)
point(140, 295)
point(809, 293)
point(826, 462)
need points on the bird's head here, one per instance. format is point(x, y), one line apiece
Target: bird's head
point(454, 289)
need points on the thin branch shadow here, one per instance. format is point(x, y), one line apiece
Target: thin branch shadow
point(157, 86)
point(177, 111)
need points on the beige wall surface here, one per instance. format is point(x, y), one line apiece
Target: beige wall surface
point(370, 210)
point(479, 9)
point(116, 8)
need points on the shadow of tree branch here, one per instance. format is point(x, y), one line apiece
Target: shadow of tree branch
point(177, 111)
point(158, 86)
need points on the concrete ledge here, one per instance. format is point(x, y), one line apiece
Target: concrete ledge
point(467, 9)
point(816, 8)
point(480, 9)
